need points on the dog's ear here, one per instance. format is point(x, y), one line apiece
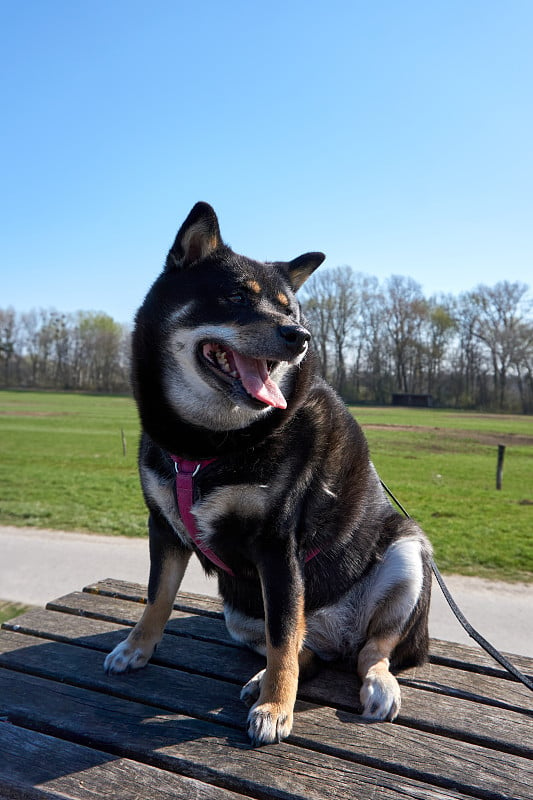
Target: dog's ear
point(301, 268)
point(198, 237)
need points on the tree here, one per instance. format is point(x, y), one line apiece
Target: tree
point(331, 303)
point(501, 310)
point(7, 340)
point(406, 311)
point(100, 351)
point(440, 327)
point(523, 364)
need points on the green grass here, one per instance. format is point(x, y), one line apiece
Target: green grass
point(10, 610)
point(62, 467)
point(448, 483)
point(62, 464)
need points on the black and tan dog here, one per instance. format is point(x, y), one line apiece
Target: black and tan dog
point(275, 492)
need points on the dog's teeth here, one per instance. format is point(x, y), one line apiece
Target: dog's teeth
point(222, 361)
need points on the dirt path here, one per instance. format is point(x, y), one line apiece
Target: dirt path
point(507, 439)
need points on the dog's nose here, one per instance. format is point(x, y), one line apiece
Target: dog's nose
point(295, 337)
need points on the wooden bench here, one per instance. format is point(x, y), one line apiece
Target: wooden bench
point(177, 728)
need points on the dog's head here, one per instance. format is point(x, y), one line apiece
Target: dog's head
point(226, 330)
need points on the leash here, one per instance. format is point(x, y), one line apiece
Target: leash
point(471, 631)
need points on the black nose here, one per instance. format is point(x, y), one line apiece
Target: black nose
point(295, 337)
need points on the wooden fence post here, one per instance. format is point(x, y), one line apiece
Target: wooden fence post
point(499, 468)
point(123, 441)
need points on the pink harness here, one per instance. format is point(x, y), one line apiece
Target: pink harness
point(186, 471)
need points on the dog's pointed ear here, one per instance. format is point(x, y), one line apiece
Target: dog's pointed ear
point(198, 237)
point(301, 268)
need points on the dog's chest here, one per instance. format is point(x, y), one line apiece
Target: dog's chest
point(236, 504)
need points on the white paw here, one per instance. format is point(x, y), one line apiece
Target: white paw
point(124, 658)
point(251, 690)
point(268, 723)
point(380, 696)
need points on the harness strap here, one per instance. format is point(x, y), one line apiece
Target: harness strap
point(186, 471)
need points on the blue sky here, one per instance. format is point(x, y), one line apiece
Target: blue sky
point(397, 137)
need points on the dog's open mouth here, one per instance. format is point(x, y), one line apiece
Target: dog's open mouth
point(252, 373)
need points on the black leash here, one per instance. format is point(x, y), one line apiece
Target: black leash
point(471, 631)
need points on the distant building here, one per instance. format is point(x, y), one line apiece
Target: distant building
point(418, 400)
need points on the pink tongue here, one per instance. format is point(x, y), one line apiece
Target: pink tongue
point(257, 382)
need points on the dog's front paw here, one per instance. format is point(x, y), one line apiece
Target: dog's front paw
point(250, 691)
point(268, 723)
point(126, 657)
point(380, 696)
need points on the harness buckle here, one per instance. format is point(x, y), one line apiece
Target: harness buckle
point(193, 474)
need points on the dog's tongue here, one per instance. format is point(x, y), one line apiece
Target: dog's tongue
point(254, 377)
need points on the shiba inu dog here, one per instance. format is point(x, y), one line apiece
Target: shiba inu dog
point(250, 460)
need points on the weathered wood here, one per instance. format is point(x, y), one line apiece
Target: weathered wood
point(493, 691)
point(499, 466)
point(126, 590)
point(474, 659)
point(32, 760)
point(463, 731)
point(200, 750)
point(328, 687)
point(126, 612)
point(232, 663)
point(337, 732)
point(442, 652)
point(17, 790)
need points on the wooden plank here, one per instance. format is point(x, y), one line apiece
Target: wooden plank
point(471, 658)
point(329, 687)
point(209, 753)
point(199, 603)
point(15, 790)
point(490, 689)
point(474, 659)
point(233, 663)
point(450, 716)
point(416, 754)
point(481, 688)
point(127, 612)
point(35, 761)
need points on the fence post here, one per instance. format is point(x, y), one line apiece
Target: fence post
point(499, 468)
point(123, 436)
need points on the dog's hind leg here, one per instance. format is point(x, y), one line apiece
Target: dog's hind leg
point(380, 692)
point(399, 601)
point(167, 567)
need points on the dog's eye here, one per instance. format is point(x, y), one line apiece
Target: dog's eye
point(239, 298)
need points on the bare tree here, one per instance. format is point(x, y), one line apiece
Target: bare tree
point(501, 311)
point(406, 312)
point(331, 303)
point(440, 328)
point(474, 351)
point(7, 341)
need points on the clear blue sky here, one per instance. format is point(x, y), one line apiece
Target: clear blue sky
point(396, 136)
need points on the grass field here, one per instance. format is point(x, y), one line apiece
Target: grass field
point(62, 467)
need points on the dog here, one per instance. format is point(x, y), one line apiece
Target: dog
point(252, 462)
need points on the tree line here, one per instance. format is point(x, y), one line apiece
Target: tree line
point(46, 349)
point(474, 350)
